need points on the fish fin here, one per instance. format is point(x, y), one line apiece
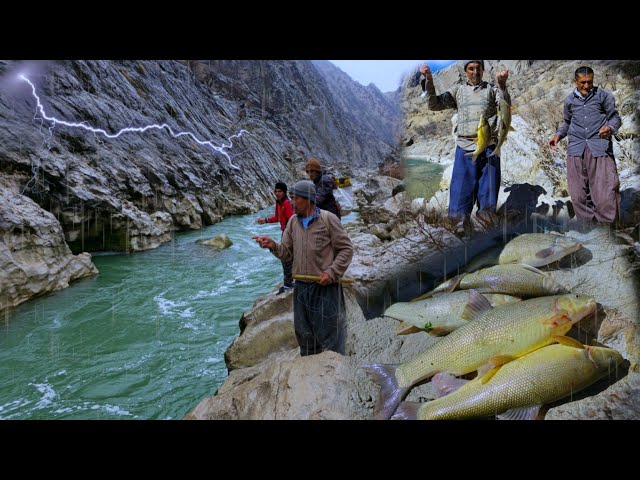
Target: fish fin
point(455, 282)
point(526, 413)
point(424, 296)
point(499, 360)
point(391, 394)
point(439, 331)
point(477, 305)
point(544, 253)
point(407, 411)
point(489, 369)
point(482, 371)
point(567, 341)
point(445, 383)
point(511, 129)
point(447, 286)
point(405, 328)
point(533, 269)
point(489, 375)
point(495, 153)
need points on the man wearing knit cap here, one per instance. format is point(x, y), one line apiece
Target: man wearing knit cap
point(284, 211)
point(319, 246)
point(471, 181)
point(324, 186)
point(590, 120)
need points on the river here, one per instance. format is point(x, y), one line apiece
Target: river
point(144, 339)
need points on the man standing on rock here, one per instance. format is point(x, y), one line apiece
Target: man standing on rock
point(324, 186)
point(471, 181)
point(590, 119)
point(319, 246)
point(284, 212)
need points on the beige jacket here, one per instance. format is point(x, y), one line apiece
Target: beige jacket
point(319, 248)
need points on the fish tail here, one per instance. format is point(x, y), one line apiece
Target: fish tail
point(407, 411)
point(391, 394)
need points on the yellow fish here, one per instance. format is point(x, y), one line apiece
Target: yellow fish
point(495, 337)
point(442, 313)
point(518, 280)
point(538, 249)
point(483, 139)
point(519, 388)
point(504, 127)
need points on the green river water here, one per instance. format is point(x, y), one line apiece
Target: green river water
point(144, 339)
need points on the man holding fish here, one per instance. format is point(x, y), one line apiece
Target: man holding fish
point(476, 169)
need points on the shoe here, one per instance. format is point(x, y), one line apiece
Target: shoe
point(463, 229)
point(283, 289)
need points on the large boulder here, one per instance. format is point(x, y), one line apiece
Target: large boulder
point(219, 241)
point(267, 333)
point(315, 387)
point(34, 258)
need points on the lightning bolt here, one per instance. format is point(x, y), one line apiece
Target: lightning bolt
point(84, 126)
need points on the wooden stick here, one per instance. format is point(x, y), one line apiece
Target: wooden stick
point(317, 279)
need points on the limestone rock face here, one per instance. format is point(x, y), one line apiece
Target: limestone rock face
point(306, 388)
point(34, 258)
point(260, 122)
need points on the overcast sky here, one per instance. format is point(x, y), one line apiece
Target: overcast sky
point(385, 74)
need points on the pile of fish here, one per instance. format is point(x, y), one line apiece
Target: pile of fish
point(517, 347)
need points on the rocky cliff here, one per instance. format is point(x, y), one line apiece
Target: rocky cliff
point(34, 257)
point(379, 113)
point(131, 192)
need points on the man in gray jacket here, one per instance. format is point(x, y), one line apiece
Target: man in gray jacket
point(320, 247)
point(590, 119)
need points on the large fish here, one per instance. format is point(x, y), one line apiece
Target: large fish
point(483, 139)
point(538, 249)
point(442, 313)
point(504, 125)
point(519, 388)
point(495, 337)
point(517, 280)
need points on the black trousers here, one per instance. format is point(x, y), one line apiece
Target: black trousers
point(318, 317)
point(288, 276)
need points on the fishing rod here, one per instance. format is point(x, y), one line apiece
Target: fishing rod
point(315, 278)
